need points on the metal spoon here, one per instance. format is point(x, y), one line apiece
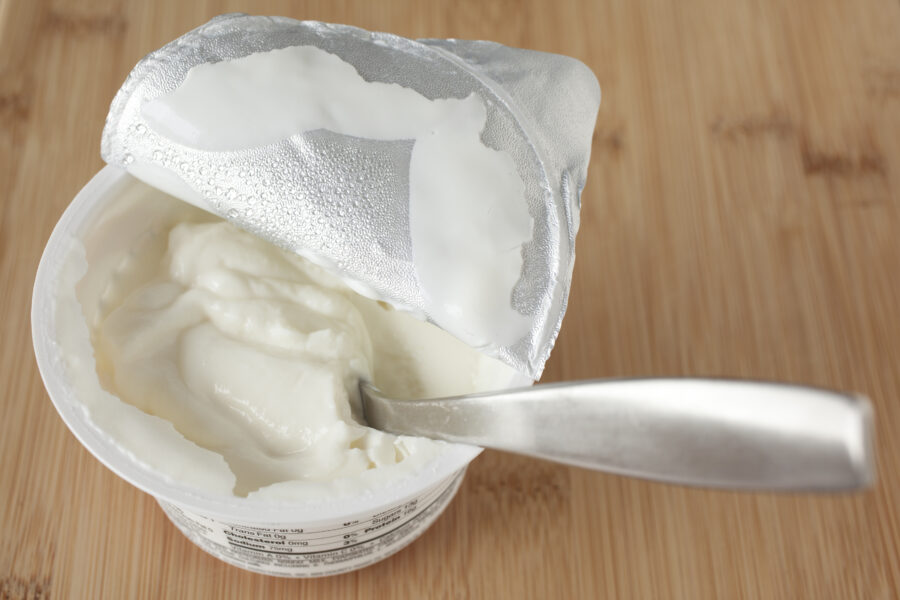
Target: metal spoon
point(706, 432)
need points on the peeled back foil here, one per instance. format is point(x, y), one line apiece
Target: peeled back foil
point(541, 111)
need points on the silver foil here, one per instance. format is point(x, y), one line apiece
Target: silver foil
point(541, 111)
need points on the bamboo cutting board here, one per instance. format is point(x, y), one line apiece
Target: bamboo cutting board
point(740, 218)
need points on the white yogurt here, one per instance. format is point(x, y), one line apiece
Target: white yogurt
point(468, 215)
point(252, 353)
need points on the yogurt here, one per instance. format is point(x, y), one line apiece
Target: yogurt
point(219, 373)
point(251, 354)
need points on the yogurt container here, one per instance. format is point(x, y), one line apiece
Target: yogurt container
point(310, 537)
point(369, 206)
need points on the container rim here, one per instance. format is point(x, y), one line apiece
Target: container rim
point(51, 365)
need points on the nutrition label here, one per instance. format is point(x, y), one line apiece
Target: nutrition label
point(325, 550)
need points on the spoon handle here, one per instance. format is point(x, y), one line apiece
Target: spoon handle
point(706, 432)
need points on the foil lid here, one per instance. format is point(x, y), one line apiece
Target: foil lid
point(441, 176)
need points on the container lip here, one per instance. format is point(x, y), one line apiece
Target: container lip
point(74, 414)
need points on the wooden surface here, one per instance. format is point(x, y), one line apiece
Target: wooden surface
point(740, 218)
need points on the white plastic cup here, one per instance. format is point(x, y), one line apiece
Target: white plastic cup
point(303, 539)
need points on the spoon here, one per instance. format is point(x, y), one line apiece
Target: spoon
point(705, 432)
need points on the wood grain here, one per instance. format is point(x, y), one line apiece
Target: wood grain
point(741, 218)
